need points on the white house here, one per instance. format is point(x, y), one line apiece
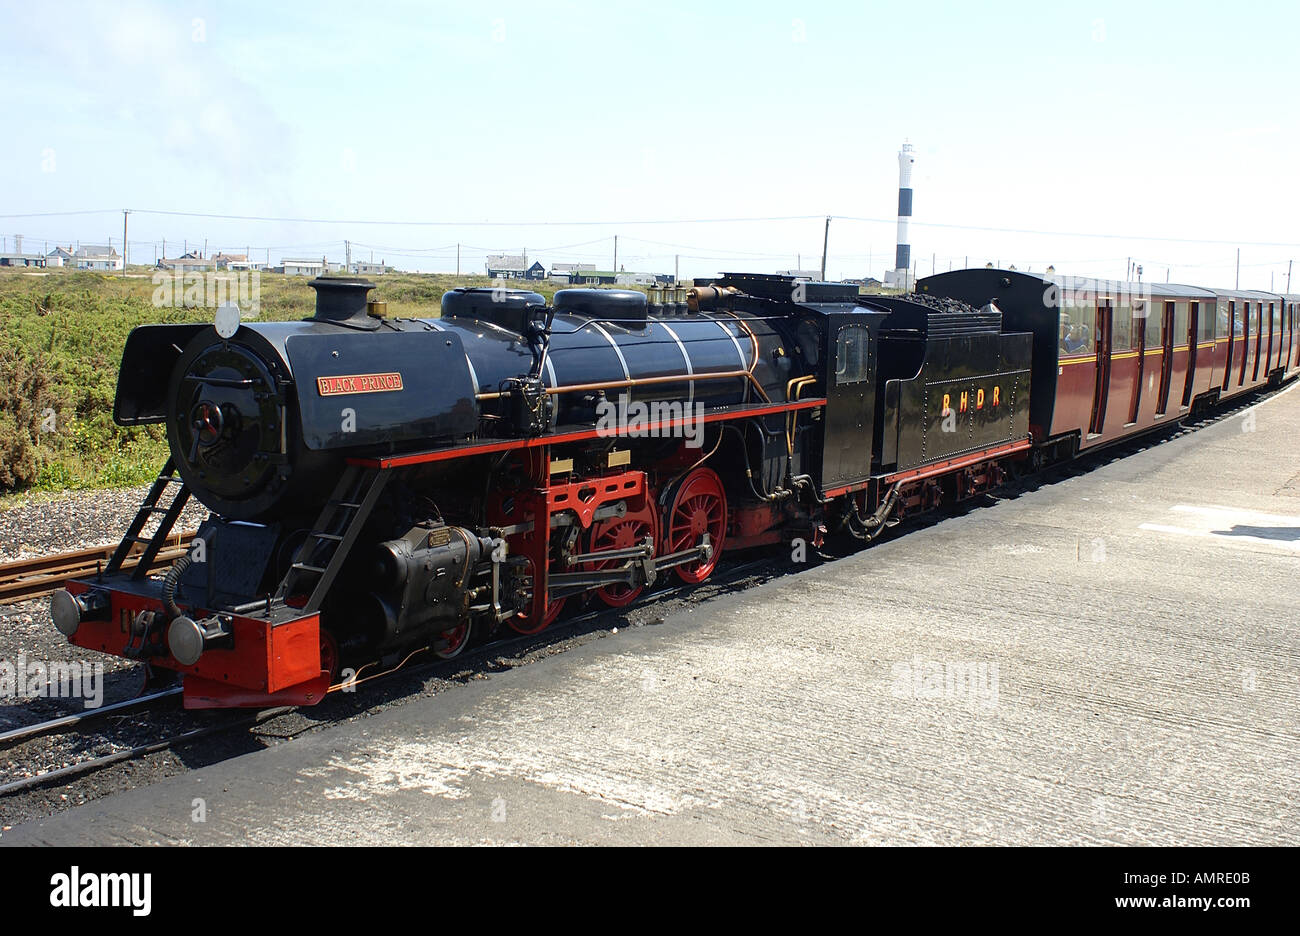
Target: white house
point(97, 257)
point(303, 267)
point(59, 257)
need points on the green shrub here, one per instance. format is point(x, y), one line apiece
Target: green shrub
point(26, 413)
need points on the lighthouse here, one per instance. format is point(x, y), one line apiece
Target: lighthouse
point(901, 276)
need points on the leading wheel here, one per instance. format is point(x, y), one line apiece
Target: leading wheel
point(453, 641)
point(622, 533)
point(699, 506)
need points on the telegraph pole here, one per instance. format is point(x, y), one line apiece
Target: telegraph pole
point(125, 212)
point(616, 255)
point(677, 269)
point(1288, 275)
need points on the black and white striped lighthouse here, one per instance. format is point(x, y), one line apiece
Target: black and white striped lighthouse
point(901, 275)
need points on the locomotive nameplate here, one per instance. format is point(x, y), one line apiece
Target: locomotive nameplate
point(359, 383)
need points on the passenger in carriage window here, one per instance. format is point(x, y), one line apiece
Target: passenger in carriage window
point(1077, 340)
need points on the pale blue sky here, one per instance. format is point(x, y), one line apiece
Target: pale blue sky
point(1143, 120)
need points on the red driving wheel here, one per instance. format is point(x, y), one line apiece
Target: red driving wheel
point(531, 623)
point(622, 533)
point(699, 506)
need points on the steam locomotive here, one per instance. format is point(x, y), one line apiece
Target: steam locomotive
point(380, 486)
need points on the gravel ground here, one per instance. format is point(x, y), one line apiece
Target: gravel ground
point(47, 523)
point(40, 524)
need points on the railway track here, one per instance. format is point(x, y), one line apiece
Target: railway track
point(724, 578)
point(25, 579)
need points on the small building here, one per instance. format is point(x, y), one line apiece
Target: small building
point(187, 263)
point(97, 257)
point(634, 279)
point(370, 268)
point(225, 261)
point(593, 278)
point(813, 275)
point(22, 260)
point(59, 257)
point(564, 272)
point(304, 267)
point(508, 266)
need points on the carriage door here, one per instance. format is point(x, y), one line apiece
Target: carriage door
point(1193, 332)
point(1167, 358)
point(1103, 368)
point(1275, 335)
point(1261, 347)
point(1291, 333)
point(1234, 326)
point(1249, 327)
point(1138, 340)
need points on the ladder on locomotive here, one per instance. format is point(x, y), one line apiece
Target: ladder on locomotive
point(149, 508)
point(319, 559)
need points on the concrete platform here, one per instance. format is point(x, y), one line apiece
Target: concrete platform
point(1113, 658)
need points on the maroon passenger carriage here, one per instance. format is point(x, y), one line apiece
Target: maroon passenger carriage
point(1114, 359)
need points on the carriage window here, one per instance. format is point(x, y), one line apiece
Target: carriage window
point(1209, 318)
point(1180, 323)
point(1154, 321)
point(1078, 321)
point(852, 354)
point(1121, 326)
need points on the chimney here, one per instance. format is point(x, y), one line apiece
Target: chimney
point(342, 301)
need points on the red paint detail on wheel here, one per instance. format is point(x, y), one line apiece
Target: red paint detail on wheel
point(622, 533)
point(528, 623)
point(699, 506)
point(456, 637)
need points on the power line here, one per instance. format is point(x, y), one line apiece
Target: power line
point(1002, 230)
point(666, 221)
